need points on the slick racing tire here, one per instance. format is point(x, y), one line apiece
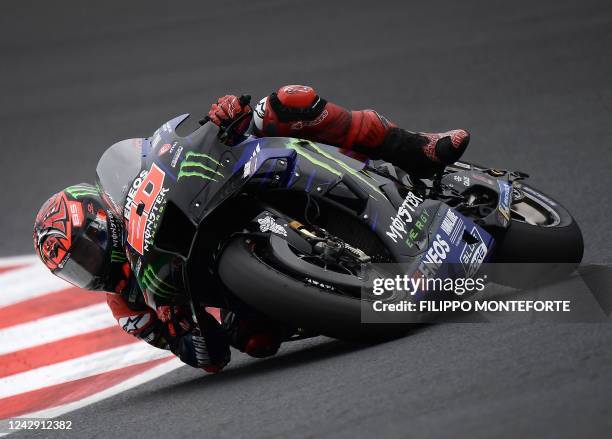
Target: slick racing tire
point(543, 243)
point(294, 302)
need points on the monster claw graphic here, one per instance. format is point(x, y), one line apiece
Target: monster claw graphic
point(81, 190)
point(118, 256)
point(194, 165)
point(339, 166)
point(152, 282)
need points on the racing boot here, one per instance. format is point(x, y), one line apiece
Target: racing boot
point(421, 154)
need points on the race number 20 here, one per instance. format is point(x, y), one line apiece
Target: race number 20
point(140, 203)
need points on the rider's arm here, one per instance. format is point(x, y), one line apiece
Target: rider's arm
point(211, 352)
point(139, 320)
point(297, 111)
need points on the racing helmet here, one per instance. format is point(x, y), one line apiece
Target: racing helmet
point(80, 239)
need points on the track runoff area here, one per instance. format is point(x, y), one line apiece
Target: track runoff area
point(61, 348)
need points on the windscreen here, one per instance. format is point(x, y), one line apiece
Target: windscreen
point(117, 168)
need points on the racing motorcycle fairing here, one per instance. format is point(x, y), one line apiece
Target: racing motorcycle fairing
point(167, 186)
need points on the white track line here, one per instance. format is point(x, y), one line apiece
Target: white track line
point(34, 280)
point(141, 378)
point(57, 327)
point(78, 368)
point(18, 260)
point(28, 282)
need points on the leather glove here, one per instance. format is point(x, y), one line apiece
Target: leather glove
point(207, 349)
point(177, 319)
point(226, 110)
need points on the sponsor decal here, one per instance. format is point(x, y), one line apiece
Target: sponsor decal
point(132, 193)
point(164, 149)
point(463, 179)
point(199, 165)
point(310, 123)
point(82, 190)
point(134, 323)
point(176, 156)
point(418, 227)
point(116, 235)
point(503, 207)
point(434, 257)
point(76, 213)
point(250, 167)
point(295, 89)
point(153, 284)
point(118, 256)
point(319, 284)
point(260, 108)
point(538, 195)
point(453, 226)
point(449, 221)
point(153, 218)
point(298, 146)
point(259, 113)
point(462, 165)
point(144, 204)
point(472, 256)
point(397, 229)
point(268, 224)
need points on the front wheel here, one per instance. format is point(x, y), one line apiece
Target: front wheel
point(542, 244)
point(541, 231)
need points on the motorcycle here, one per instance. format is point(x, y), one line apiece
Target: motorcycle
point(286, 227)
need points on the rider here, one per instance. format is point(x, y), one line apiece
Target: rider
point(297, 111)
point(83, 242)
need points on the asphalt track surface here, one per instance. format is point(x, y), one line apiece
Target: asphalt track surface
point(531, 80)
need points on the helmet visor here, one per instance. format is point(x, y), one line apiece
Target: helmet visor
point(88, 263)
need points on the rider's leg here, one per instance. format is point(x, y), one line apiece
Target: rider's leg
point(419, 154)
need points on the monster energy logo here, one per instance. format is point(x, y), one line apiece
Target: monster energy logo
point(297, 146)
point(82, 190)
point(153, 283)
point(118, 256)
point(197, 164)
